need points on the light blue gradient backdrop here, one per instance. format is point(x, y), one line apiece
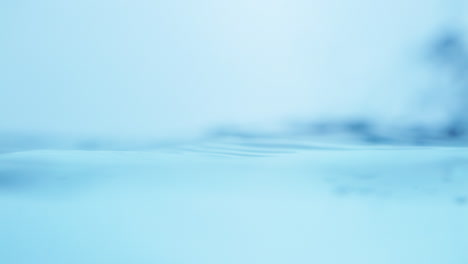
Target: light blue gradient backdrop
point(100, 73)
point(158, 69)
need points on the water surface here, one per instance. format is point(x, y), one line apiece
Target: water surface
point(236, 200)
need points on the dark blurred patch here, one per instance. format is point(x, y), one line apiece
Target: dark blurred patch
point(455, 131)
point(318, 128)
point(361, 130)
point(451, 52)
point(12, 142)
point(341, 190)
point(358, 126)
point(461, 200)
point(19, 142)
point(449, 47)
point(15, 180)
point(365, 131)
point(31, 177)
point(288, 146)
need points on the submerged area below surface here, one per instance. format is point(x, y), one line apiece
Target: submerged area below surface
point(236, 201)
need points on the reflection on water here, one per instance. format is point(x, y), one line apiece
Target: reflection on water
point(235, 199)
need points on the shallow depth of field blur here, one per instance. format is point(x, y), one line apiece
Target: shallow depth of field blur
point(221, 131)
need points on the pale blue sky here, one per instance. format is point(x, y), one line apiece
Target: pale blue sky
point(164, 68)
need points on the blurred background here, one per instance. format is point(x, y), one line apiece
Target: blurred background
point(164, 70)
point(255, 131)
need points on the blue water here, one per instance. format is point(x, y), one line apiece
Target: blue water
point(234, 131)
point(236, 200)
